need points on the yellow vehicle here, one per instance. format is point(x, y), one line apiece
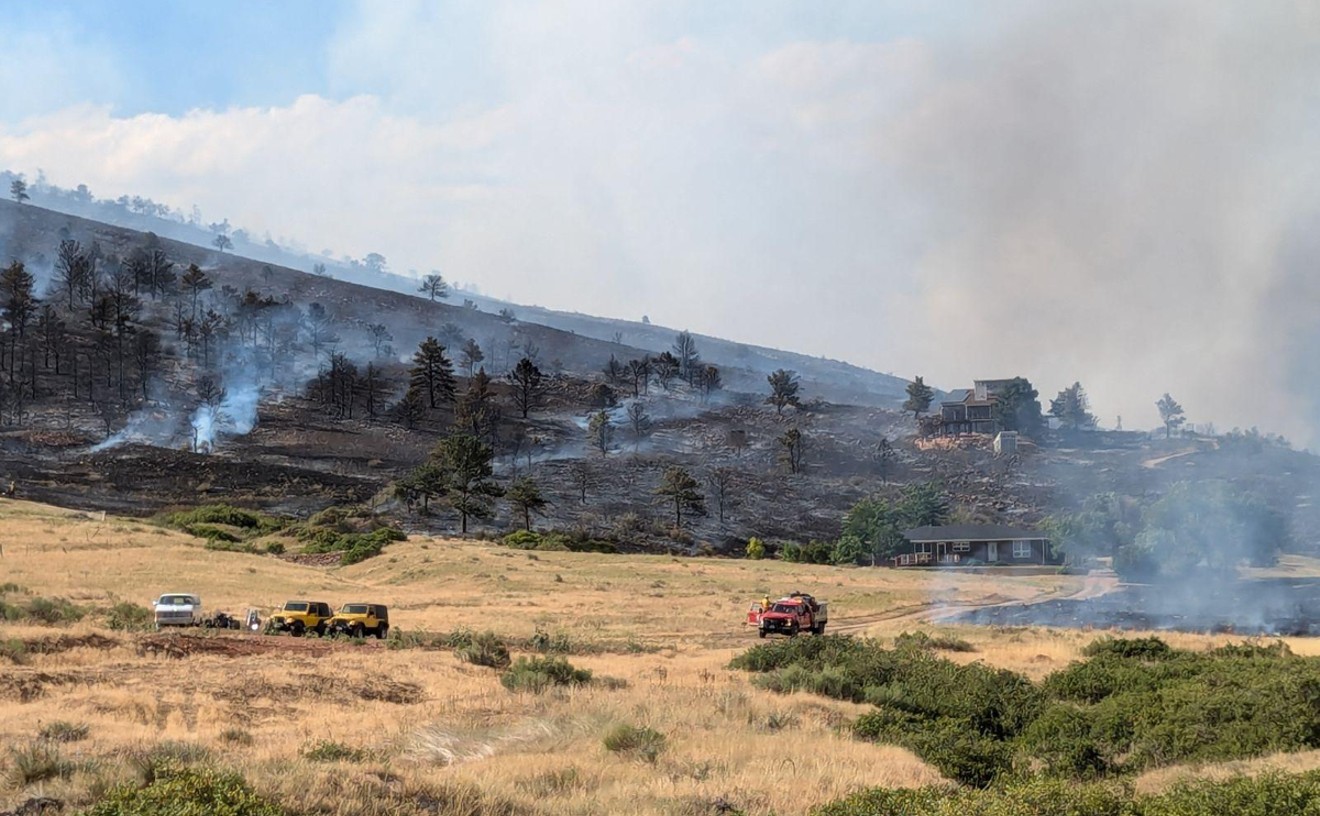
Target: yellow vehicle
point(300, 617)
point(360, 620)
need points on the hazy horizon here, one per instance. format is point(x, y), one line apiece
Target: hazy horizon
point(1122, 193)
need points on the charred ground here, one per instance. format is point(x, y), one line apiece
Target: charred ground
point(314, 441)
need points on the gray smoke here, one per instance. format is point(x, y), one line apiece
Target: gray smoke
point(1119, 193)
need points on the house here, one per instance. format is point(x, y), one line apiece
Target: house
point(971, 410)
point(969, 544)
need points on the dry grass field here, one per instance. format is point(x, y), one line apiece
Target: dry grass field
point(433, 732)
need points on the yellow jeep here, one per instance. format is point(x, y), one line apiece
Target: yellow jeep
point(360, 620)
point(300, 617)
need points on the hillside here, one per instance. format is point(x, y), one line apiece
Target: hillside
point(265, 386)
point(831, 380)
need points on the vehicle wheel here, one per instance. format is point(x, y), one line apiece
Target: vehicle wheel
point(297, 629)
point(320, 630)
point(819, 630)
point(760, 632)
point(381, 631)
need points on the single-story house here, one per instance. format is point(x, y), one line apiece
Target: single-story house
point(964, 544)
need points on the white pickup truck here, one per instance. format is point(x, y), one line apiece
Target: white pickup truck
point(178, 609)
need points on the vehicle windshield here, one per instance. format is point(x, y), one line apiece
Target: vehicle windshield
point(295, 606)
point(353, 609)
point(790, 609)
point(175, 600)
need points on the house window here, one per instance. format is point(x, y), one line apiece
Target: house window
point(1021, 549)
point(962, 546)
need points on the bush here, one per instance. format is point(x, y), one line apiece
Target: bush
point(485, 649)
point(755, 549)
point(641, 742)
point(125, 616)
point(922, 640)
point(61, 731)
point(1147, 648)
point(211, 533)
point(36, 762)
point(537, 674)
point(52, 611)
point(813, 552)
point(225, 515)
point(330, 751)
point(180, 791)
point(574, 541)
point(1271, 794)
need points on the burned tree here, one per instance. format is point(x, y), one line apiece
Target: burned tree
point(318, 326)
point(639, 372)
point(411, 409)
point(472, 355)
point(792, 444)
point(583, 478)
point(689, 360)
point(434, 286)
point(73, 267)
point(720, 482)
point(639, 420)
point(600, 431)
point(195, 282)
point(665, 368)
point(381, 338)
point(477, 412)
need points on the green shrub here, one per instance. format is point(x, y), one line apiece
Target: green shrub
point(52, 611)
point(536, 674)
point(226, 515)
point(62, 731)
point(212, 533)
point(755, 549)
point(550, 643)
point(1271, 794)
point(485, 649)
point(330, 751)
point(36, 762)
point(163, 757)
point(813, 552)
point(922, 640)
point(642, 742)
point(182, 791)
point(125, 616)
point(13, 650)
point(1147, 648)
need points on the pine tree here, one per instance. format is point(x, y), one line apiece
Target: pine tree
point(783, 390)
point(527, 386)
point(432, 373)
point(1171, 413)
point(919, 398)
point(678, 487)
point(465, 470)
point(525, 496)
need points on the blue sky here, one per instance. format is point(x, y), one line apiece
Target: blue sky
point(882, 182)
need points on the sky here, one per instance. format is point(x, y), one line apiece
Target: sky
point(1119, 193)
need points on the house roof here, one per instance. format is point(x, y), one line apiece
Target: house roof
point(957, 395)
point(971, 532)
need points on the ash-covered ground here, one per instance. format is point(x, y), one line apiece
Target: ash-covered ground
point(1282, 607)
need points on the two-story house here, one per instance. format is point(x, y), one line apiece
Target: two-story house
point(971, 410)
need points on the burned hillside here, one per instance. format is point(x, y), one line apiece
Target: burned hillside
point(141, 373)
